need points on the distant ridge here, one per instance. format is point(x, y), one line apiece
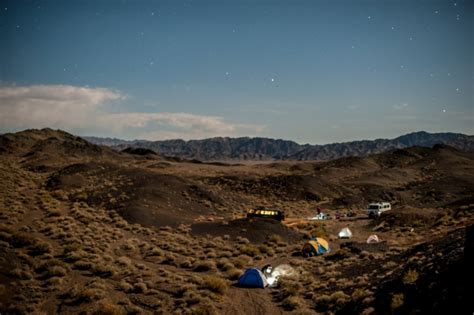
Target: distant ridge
point(260, 149)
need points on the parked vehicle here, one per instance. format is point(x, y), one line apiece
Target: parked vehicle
point(374, 210)
point(262, 212)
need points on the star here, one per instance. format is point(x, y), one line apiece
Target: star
point(18, 26)
point(352, 46)
point(458, 17)
point(393, 27)
point(369, 17)
point(152, 13)
point(444, 110)
point(226, 73)
point(411, 38)
point(272, 79)
point(457, 90)
point(6, 9)
point(436, 12)
point(402, 66)
point(455, 4)
point(152, 63)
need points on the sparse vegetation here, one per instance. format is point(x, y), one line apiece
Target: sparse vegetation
point(65, 238)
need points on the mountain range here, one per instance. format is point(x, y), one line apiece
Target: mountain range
point(245, 148)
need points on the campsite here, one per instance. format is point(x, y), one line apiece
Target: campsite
point(86, 229)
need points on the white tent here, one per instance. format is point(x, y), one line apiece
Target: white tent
point(373, 239)
point(345, 233)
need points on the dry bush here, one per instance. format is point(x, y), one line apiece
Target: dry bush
point(123, 261)
point(224, 254)
point(185, 263)
point(242, 240)
point(368, 311)
point(397, 300)
point(360, 294)
point(292, 303)
point(241, 261)
point(249, 250)
point(21, 274)
point(215, 284)
point(226, 266)
point(125, 286)
point(106, 307)
point(56, 271)
point(202, 266)
point(233, 274)
point(140, 287)
point(288, 286)
point(410, 276)
point(103, 270)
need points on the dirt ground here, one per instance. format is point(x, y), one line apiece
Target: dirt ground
point(87, 230)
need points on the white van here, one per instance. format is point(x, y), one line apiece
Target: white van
point(376, 209)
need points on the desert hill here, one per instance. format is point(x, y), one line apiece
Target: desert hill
point(222, 149)
point(87, 229)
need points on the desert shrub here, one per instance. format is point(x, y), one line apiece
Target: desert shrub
point(397, 300)
point(360, 294)
point(124, 261)
point(78, 294)
point(21, 274)
point(241, 261)
point(227, 266)
point(56, 271)
point(322, 302)
point(22, 239)
point(74, 256)
point(233, 274)
point(39, 248)
point(53, 213)
point(53, 262)
point(202, 266)
point(103, 270)
point(215, 284)
point(410, 276)
point(288, 286)
point(203, 309)
point(155, 251)
point(368, 311)
point(72, 247)
point(185, 263)
point(265, 249)
point(140, 287)
point(106, 307)
point(292, 303)
point(319, 230)
point(54, 282)
point(125, 286)
point(242, 240)
point(83, 265)
point(249, 250)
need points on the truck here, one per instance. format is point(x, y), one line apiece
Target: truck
point(374, 210)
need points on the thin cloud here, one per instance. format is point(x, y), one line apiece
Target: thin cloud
point(82, 110)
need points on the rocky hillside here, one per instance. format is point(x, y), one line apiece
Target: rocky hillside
point(245, 148)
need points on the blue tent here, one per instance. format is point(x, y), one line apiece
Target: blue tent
point(253, 278)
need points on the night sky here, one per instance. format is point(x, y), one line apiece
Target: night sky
point(309, 71)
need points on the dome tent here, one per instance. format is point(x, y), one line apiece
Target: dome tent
point(253, 278)
point(315, 246)
point(373, 239)
point(345, 233)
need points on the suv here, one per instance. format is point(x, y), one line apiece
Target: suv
point(374, 210)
